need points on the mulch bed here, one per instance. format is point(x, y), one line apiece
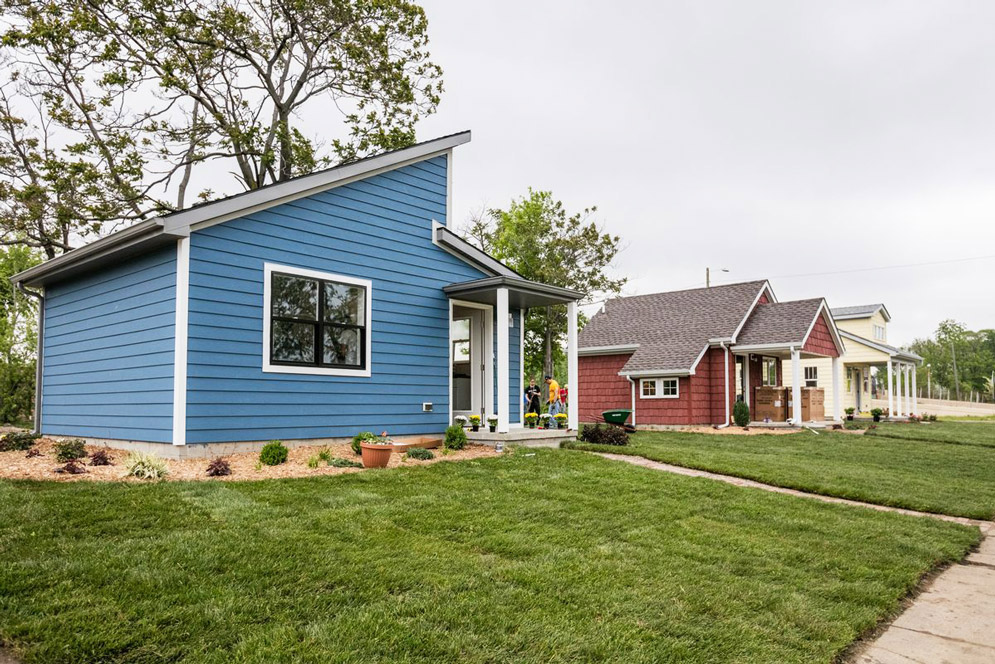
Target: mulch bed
point(245, 466)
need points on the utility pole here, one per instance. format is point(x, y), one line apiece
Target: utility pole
point(929, 381)
point(953, 357)
point(708, 276)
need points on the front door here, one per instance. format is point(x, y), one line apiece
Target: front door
point(469, 368)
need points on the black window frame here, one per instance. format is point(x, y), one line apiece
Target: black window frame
point(319, 324)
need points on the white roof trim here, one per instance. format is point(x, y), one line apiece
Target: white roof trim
point(608, 350)
point(889, 350)
point(654, 373)
point(282, 192)
point(763, 289)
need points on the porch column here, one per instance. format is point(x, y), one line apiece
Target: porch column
point(796, 387)
point(837, 393)
point(503, 362)
point(915, 391)
point(573, 403)
point(891, 391)
point(898, 390)
point(908, 395)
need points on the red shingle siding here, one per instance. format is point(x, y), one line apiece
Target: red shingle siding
point(820, 340)
point(664, 411)
point(763, 298)
point(601, 388)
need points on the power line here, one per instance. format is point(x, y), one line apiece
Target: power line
point(883, 267)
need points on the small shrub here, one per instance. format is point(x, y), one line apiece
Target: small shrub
point(741, 414)
point(72, 467)
point(363, 437)
point(273, 454)
point(420, 453)
point(313, 461)
point(33, 452)
point(455, 438)
point(146, 466)
point(18, 441)
point(339, 462)
point(100, 458)
point(604, 435)
point(876, 412)
point(218, 468)
point(325, 455)
point(70, 449)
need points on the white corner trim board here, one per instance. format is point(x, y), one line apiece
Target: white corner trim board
point(268, 367)
point(180, 341)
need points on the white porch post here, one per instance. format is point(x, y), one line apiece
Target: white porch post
point(898, 390)
point(796, 387)
point(837, 393)
point(908, 395)
point(891, 391)
point(915, 391)
point(503, 361)
point(573, 411)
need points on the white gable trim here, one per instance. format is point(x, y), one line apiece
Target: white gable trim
point(770, 295)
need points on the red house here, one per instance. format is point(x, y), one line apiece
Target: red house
point(685, 357)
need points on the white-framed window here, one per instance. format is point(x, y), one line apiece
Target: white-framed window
point(316, 322)
point(879, 332)
point(769, 368)
point(659, 388)
point(811, 376)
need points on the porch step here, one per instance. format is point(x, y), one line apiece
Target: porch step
point(523, 437)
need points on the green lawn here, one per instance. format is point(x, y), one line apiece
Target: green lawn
point(979, 432)
point(552, 556)
point(920, 475)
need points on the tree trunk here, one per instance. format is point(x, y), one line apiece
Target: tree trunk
point(547, 359)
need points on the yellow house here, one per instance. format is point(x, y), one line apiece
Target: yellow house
point(864, 330)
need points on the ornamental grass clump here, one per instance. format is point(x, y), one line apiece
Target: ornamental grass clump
point(273, 454)
point(146, 466)
point(67, 450)
point(18, 441)
point(455, 438)
point(339, 462)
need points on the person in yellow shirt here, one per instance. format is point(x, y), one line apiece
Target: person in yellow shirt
point(553, 395)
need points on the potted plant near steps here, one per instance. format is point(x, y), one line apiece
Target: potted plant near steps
point(876, 414)
point(561, 420)
point(492, 424)
point(376, 453)
point(475, 422)
point(530, 420)
point(849, 410)
point(460, 421)
point(544, 420)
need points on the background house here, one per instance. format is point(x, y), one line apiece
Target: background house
point(685, 357)
point(868, 359)
point(309, 309)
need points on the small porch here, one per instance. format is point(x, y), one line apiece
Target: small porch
point(770, 359)
point(483, 313)
point(522, 437)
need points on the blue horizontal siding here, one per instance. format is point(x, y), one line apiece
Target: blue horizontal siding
point(108, 361)
point(379, 228)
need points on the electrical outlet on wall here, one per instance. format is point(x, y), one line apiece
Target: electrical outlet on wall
point(426, 407)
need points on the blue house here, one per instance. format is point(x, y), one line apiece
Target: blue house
point(310, 309)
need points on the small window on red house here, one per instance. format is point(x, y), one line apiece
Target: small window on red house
point(659, 388)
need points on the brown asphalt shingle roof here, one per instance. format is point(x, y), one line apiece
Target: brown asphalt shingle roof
point(671, 329)
point(779, 323)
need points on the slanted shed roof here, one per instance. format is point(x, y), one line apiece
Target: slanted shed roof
point(860, 311)
point(780, 323)
point(672, 330)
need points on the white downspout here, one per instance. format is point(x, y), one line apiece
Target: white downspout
point(633, 383)
point(726, 374)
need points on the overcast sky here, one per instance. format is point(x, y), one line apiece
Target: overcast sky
point(772, 139)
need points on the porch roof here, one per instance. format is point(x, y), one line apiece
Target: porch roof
point(522, 293)
point(890, 351)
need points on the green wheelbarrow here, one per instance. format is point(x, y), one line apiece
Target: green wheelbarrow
point(618, 417)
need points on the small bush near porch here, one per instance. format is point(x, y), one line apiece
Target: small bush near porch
point(941, 477)
point(539, 556)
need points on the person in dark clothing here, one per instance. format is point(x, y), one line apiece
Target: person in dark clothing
point(532, 395)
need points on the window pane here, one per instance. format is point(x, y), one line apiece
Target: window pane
point(293, 342)
point(670, 388)
point(345, 304)
point(461, 329)
point(461, 351)
point(295, 297)
point(649, 388)
point(341, 346)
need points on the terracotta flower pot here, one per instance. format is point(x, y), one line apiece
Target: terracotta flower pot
point(376, 455)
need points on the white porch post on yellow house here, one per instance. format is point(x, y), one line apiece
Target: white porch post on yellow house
point(915, 391)
point(891, 390)
point(573, 411)
point(898, 389)
point(796, 387)
point(503, 359)
point(837, 393)
point(908, 394)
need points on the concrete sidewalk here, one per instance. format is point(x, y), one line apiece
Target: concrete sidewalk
point(952, 621)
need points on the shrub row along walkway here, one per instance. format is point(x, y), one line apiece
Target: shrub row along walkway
point(952, 620)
